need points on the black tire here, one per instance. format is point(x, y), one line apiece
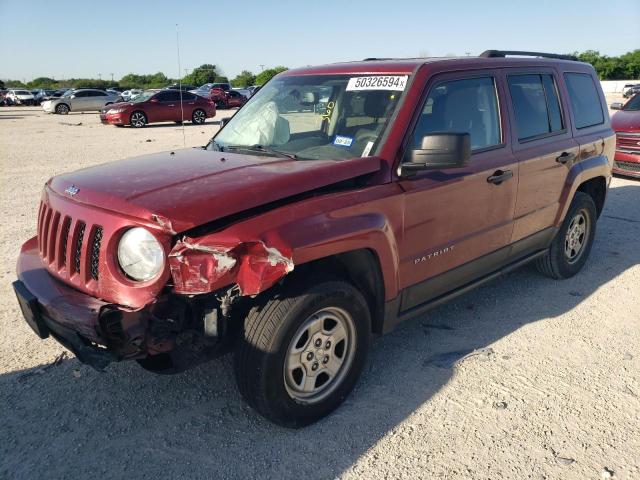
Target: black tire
point(62, 109)
point(269, 333)
point(199, 116)
point(558, 261)
point(138, 119)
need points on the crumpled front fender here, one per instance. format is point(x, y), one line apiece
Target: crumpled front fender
point(208, 264)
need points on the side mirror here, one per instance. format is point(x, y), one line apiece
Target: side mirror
point(154, 100)
point(439, 151)
point(72, 96)
point(616, 106)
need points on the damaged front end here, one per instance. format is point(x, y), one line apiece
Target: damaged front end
point(191, 322)
point(203, 266)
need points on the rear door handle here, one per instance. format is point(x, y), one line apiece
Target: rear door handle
point(565, 157)
point(500, 176)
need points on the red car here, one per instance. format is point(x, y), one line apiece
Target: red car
point(626, 124)
point(338, 202)
point(227, 99)
point(163, 106)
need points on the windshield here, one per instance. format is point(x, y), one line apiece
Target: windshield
point(22, 92)
point(315, 117)
point(68, 93)
point(141, 97)
point(633, 104)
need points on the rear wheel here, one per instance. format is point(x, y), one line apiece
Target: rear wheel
point(572, 244)
point(199, 116)
point(138, 120)
point(62, 109)
point(302, 351)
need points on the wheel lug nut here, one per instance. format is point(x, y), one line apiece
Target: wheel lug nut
point(314, 367)
point(318, 342)
point(327, 345)
point(325, 359)
point(310, 356)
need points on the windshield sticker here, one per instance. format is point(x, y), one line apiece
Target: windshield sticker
point(367, 149)
point(329, 111)
point(341, 141)
point(379, 82)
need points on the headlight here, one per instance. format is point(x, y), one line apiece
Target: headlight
point(140, 255)
point(115, 110)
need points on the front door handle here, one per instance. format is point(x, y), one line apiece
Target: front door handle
point(565, 157)
point(500, 176)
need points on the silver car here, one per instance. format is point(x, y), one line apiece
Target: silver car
point(81, 100)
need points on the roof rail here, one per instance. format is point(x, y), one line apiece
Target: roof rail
point(371, 59)
point(504, 53)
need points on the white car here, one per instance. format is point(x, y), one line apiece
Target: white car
point(130, 94)
point(80, 100)
point(19, 97)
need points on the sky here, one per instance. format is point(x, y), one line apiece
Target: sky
point(72, 38)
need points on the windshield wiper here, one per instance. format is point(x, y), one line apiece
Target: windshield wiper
point(261, 148)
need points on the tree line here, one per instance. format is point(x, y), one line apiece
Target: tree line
point(206, 73)
point(626, 66)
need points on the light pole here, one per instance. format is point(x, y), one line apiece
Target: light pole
point(261, 67)
point(111, 77)
point(99, 76)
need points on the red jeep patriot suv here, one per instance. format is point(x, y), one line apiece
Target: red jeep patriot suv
point(339, 201)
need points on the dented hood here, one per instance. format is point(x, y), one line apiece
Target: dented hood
point(193, 186)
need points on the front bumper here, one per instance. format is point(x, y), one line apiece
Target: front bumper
point(627, 164)
point(68, 315)
point(99, 332)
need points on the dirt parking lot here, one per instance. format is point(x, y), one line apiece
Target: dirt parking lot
point(551, 389)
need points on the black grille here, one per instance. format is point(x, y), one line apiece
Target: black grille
point(632, 167)
point(78, 250)
point(95, 252)
point(64, 239)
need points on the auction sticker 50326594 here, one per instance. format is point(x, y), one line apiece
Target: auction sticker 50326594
point(378, 82)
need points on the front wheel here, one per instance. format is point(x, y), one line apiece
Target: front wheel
point(62, 109)
point(572, 244)
point(198, 117)
point(138, 119)
point(303, 351)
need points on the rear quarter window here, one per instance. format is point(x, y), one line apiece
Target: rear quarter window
point(535, 104)
point(585, 101)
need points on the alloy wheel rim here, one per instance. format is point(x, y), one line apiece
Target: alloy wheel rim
point(319, 355)
point(198, 116)
point(576, 237)
point(137, 119)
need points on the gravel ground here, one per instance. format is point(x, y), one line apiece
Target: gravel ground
point(552, 390)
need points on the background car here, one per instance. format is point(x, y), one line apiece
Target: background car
point(129, 94)
point(80, 100)
point(17, 96)
point(242, 91)
point(631, 91)
point(626, 124)
point(163, 106)
point(181, 86)
point(40, 95)
point(234, 99)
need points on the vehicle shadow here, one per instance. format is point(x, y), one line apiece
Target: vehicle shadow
point(68, 421)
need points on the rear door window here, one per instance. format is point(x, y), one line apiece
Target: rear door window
point(462, 106)
point(585, 101)
point(535, 105)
